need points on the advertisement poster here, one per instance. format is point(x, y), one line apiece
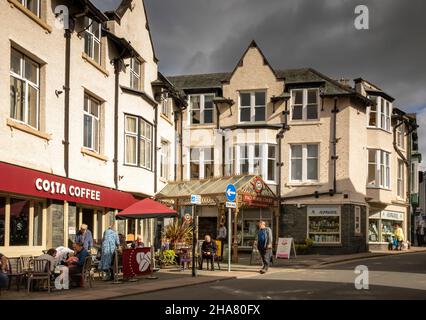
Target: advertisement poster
point(284, 248)
point(136, 262)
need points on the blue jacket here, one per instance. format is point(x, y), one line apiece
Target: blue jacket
point(81, 257)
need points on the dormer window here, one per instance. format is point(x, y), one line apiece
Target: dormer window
point(304, 104)
point(252, 106)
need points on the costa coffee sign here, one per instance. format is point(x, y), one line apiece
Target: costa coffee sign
point(24, 181)
point(61, 188)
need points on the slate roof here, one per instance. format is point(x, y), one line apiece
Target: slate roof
point(292, 76)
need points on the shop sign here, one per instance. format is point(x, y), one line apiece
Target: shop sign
point(258, 201)
point(257, 185)
point(323, 210)
point(187, 218)
point(284, 248)
point(53, 187)
point(376, 215)
point(392, 215)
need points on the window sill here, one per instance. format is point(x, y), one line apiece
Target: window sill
point(163, 180)
point(162, 115)
point(380, 129)
point(303, 184)
point(93, 154)
point(381, 188)
point(25, 128)
point(31, 15)
point(305, 122)
point(95, 64)
point(202, 126)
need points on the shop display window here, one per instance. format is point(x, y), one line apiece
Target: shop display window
point(38, 224)
point(373, 231)
point(324, 229)
point(382, 230)
point(19, 222)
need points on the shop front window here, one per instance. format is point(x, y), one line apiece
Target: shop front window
point(373, 231)
point(19, 222)
point(38, 224)
point(2, 220)
point(247, 225)
point(382, 226)
point(324, 224)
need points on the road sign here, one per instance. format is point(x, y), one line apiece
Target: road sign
point(231, 205)
point(231, 192)
point(195, 199)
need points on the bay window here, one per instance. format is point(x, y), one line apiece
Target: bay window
point(92, 40)
point(305, 104)
point(138, 146)
point(201, 163)
point(91, 126)
point(379, 114)
point(135, 74)
point(201, 109)
point(24, 89)
point(252, 106)
point(304, 162)
point(258, 159)
point(378, 169)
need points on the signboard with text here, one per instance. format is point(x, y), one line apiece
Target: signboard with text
point(284, 248)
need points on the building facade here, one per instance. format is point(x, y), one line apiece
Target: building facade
point(337, 157)
point(86, 113)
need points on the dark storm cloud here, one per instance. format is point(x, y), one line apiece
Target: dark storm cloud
point(197, 36)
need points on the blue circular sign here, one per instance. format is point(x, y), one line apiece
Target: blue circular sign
point(231, 192)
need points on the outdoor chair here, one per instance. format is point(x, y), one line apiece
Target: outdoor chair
point(26, 262)
point(40, 271)
point(185, 257)
point(85, 276)
point(15, 271)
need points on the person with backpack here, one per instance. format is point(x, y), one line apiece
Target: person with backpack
point(264, 245)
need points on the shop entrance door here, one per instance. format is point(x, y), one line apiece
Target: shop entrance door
point(87, 218)
point(207, 225)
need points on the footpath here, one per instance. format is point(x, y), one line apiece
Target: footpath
point(172, 277)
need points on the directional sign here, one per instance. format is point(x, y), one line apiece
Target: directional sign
point(231, 192)
point(195, 199)
point(231, 205)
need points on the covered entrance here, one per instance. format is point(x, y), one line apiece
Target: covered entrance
point(255, 201)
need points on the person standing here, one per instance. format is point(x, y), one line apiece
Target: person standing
point(420, 233)
point(222, 238)
point(264, 245)
point(110, 242)
point(84, 236)
point(399, 235)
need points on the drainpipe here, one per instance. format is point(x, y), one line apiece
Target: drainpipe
point(116, 88)
point(181, 145)
point(155, 149)
point(66, 87)
point(334, 157)
point(223, 139)
point(177, 135)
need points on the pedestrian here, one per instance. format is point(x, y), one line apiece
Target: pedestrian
point(222, 238)
point(4, 268)
point(399, 235)
point(208, 251)
point(84, 236)
point(110, 243)
point(420, 233)
point(264, 245)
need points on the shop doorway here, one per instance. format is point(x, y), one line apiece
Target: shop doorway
point(207, 225)
point(87, 218)
point(94, 220)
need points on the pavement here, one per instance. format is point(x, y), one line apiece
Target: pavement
point(171, 277)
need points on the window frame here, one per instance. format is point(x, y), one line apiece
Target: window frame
point(165, 160)
point(304, 163)
point(165, 108)
point(25, 4)
point(251, 159)
point(357, 220)
point(383, 115)
point(304, 104)
point(383, 173)
point(93, 39)
point(27, 83)
point(400, 136)
point(201, 162)
point(135, 74)
point(253, 105)
point(97, 118)
point(202, 97)
point(139, 139)
point(400, 179)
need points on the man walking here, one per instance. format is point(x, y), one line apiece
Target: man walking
point(264, 245)
point(222, 238)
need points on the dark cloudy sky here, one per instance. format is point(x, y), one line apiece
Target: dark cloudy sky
point(198, 36)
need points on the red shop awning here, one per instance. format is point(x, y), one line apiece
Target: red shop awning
point(146, 208)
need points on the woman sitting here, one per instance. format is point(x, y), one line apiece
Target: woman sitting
point(208, 251)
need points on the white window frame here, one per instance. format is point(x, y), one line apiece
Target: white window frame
point(383, 169)
point(140, 138)
point(305, 163)
point(381, 114)
point(414, 177)
point(202, 161)
point(400, 179)
point(202, 108)
point(93, 38)
point(400, 136)
point(25, 4)
point(253, 106)
point(263, 157)
point(133, 135)
point(304, 104)
point(27, 84)
point(95, 119)
point(165, 160)
point(357, 221)
point(165, 108)
point(135, 73)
